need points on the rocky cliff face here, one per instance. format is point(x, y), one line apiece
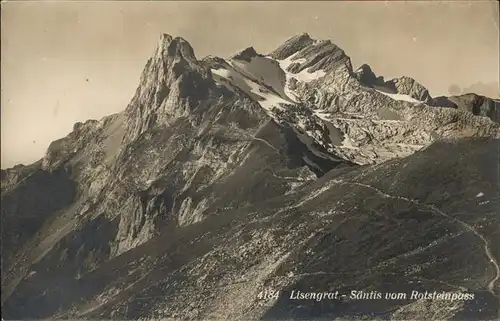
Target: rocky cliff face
point(472, 103)
point(226, 177)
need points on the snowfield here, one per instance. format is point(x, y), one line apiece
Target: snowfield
point(304, 75)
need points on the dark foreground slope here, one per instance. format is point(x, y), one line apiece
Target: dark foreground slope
point(428, 222)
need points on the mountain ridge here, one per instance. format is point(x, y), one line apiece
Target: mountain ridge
point(255, 172)
point(178, 46)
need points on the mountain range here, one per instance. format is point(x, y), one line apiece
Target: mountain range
point(228, 184)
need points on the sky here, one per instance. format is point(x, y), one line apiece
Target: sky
point(63, 62)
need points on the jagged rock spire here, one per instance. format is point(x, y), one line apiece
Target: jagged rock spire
point(365, 75)
point(409, 86)
point(169, 46)
point(246, 54)
point(166, 86)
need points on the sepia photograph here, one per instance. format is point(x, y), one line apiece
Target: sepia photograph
point(250, 160)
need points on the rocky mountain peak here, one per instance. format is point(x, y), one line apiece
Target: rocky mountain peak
point(214, 62)
point(367, 77)
point(471, 103)
point(409, 86)
point(321, 55)
point(172, 46)
point(246, 54)
point(291, 46)
point(165, 89)
point(302, 36)
point(402, 85)
point(165, 38)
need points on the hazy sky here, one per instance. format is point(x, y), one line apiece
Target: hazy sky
point(64, 62)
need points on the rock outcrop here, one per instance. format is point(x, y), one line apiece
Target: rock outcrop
point(292, 46)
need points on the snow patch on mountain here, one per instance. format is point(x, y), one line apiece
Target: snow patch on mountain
point(305, 75)
point(269, 100)
point(265, 96)
point(288, 76)
point(324, 115)
point(351, 122)
point(401, 97)
point(262, 70)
